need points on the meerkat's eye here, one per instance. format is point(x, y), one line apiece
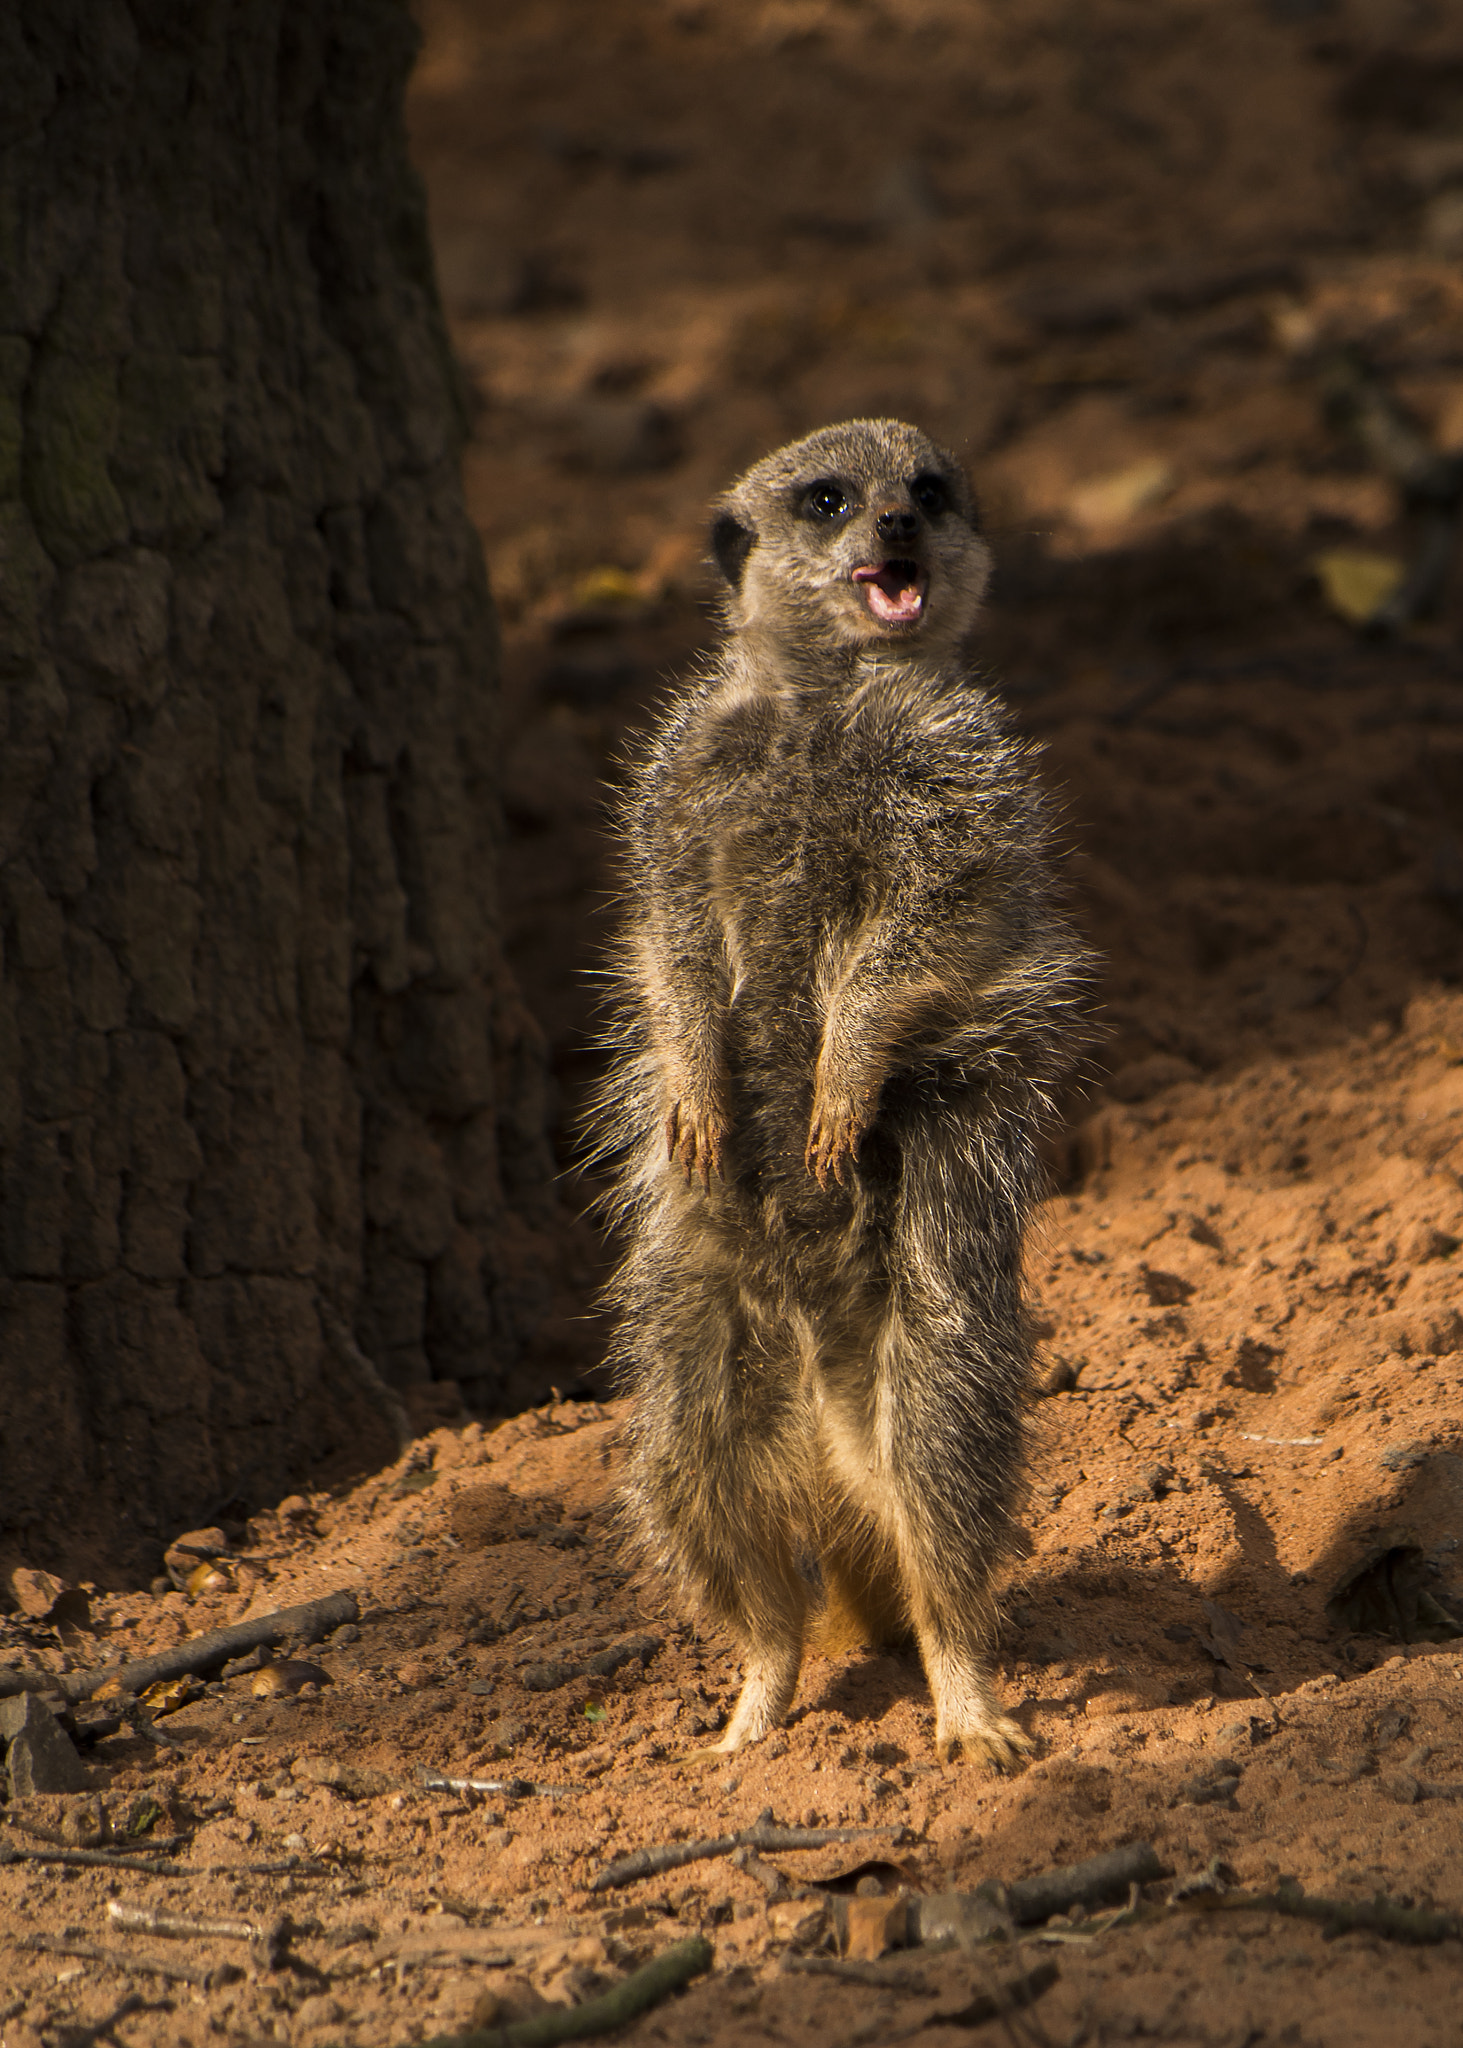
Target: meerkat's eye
point(931, 494)
point(825, 499)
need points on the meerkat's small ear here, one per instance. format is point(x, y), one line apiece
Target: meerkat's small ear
point(731, 543)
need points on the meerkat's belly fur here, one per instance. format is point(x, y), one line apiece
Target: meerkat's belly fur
point(845, 992)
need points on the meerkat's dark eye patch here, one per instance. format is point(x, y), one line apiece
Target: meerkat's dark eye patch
point(731, 543)
point(931, 493)
point(826, 499)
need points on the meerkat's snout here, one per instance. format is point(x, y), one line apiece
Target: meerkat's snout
point(895, 589)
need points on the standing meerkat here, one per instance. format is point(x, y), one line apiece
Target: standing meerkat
point(844, 994)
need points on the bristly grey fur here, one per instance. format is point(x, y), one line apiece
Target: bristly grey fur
point(844, 994)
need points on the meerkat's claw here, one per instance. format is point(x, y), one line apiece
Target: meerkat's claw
point(695, 1142)
point(832, 1150)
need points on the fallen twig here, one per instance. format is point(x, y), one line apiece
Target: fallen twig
point(144, 1920)
point(507, 1788)
point(135, 1714)
point(1221, 1642)
point(29, 1825)
point(644, 1988)
point(1281, 661)
point(1091, 1929)
point(122, 1959)
point(157, 1866)
point(763, 1835)
point(771, 1880)
point(311, 1620)
point(1091, 1883)
point(97, 1859)
point(1428, 571)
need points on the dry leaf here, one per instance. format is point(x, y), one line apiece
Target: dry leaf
point(169, 1694)
point(1109, 500)
point(1357, 583)
point(607, 586)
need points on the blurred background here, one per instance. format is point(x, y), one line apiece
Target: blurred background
point(1181, 284)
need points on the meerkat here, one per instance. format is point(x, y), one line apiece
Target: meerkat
point(844, 994)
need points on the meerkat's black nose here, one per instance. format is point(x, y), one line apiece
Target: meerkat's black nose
point(896, 525)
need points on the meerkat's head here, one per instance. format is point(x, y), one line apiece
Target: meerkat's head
point(861, 534)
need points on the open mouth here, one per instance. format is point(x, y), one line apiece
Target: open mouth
point(895, 591)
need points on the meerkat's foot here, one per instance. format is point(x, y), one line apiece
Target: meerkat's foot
point(994, 1739)
point(968, 1717)
point(767, 1689)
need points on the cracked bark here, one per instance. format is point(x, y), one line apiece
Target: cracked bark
point(258, 1050)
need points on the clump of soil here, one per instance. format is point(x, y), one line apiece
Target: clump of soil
point(1106, 252)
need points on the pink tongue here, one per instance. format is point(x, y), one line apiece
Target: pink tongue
point(894, 610)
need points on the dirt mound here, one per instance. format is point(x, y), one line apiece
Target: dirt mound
point(1210, 1640)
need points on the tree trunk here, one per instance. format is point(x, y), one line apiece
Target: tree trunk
point(268, 1100)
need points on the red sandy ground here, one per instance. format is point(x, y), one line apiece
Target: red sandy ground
point(1072, 240)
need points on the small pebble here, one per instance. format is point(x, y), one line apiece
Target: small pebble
point(286, 1678)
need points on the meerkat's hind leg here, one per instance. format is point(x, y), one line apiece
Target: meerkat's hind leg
point(770, 1668)
point(878, 1596)
point(769, 1681)
point(969, 1720)
point(765, 1605)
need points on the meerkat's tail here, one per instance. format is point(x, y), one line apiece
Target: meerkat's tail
point(864, 1604)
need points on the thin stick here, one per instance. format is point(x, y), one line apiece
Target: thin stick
point(644, 1988)
point(156, 1866)
point(96, 1859)
point(123, 1959)
point(671, 1855)
point(311, 1620)
point(1091, 1883)
point(135, 1714)
point(771, 1880)
point(509, 1788)
point(1082, 1884)
point(29, 1825)
point(144, 1920)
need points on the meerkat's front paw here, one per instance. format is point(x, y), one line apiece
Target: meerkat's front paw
point(694, 1139)
point(834, 1135)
